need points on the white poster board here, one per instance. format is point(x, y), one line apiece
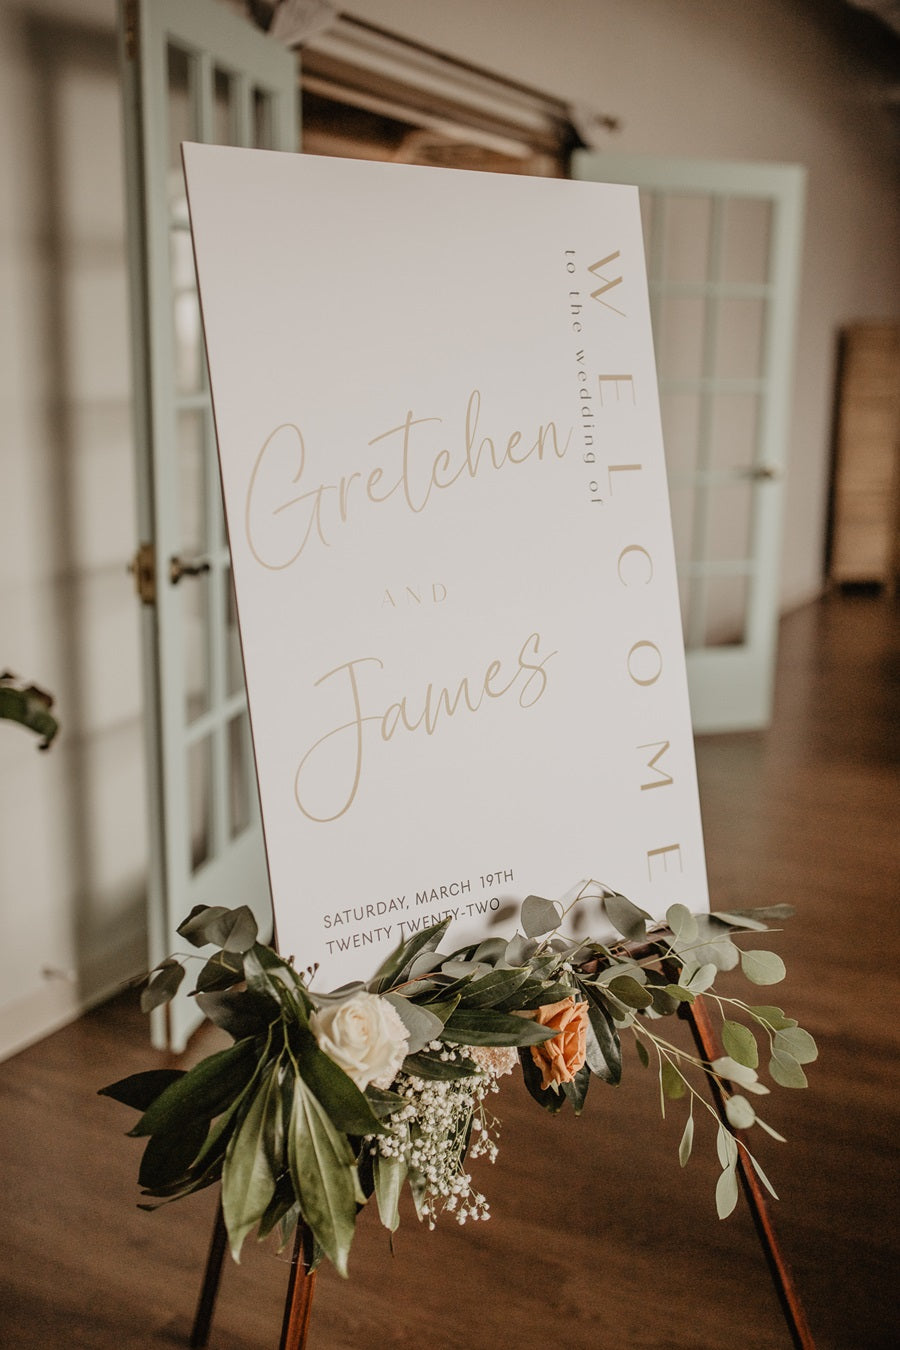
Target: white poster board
point(443, 472)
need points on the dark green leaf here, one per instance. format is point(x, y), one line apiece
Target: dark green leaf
point(266, 973)
point(390, 1174)
point(535, 994)
point(167, 1157)
point(395, 968)
point(604, 1050)
point(493, 989)
point(642, 1054)
point(281, 1204)
point(323, 1173)
point(551, 1101)
point(222, 971)
point(345, 1103)
point(162, 985)
point(481, 1027)
point(241, 1013)
point(431, 1066)
point(539, 916)
point(382, 1102)
point(248, 1181)
point(141, 1089)
point(203, 1092)
point(577, 1090)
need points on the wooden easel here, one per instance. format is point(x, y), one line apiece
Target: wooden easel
point(301, 1284)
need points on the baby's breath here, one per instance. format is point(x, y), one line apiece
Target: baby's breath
point(431, 1133)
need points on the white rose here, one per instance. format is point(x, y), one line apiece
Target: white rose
point(365, 1037)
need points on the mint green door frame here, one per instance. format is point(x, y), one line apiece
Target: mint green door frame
point(191, 71)
point(723, 244)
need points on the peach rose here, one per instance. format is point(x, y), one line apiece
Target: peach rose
point(560, 1059)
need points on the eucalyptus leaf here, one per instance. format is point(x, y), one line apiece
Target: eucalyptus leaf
point(222, 971)
point(519, 949)
point(687, 1142)
point(163, 985)
point(740, 1043)
point(769, 1130)
point(642, 1054)
point(773, 1017)
point(798, 1043)
point(682, 923)
point(729, 1068)
point(726, 1147)
point(785, 1069)
point(629, 992)
point(626, 917)
point(421, 1024)
point(740, 1113)
point(762, 967)
point(679, 994)
point(703, 978)
point(539, 916)
point(235, 930)
point(726, 1192)
point(671, 1081)
point(324, 1176)
point(763, 1178)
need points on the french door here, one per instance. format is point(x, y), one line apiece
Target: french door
point(722, 244)
point(192, 71)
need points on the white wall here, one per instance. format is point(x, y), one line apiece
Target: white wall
point(727, 79)
point(769, 79)
point(72, 835)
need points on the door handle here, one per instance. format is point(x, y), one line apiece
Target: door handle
point(186, 567)
point(762, 473)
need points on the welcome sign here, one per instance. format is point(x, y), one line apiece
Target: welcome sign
point(444, 483)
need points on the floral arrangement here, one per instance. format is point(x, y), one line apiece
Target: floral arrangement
point(325, 1100)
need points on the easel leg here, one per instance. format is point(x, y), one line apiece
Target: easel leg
point(701, 1026)
point(298, 1304)
point(210, 1289)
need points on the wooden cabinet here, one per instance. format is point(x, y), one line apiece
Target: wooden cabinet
point(865, 534)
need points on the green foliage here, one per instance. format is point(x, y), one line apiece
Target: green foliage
point(292, 1136)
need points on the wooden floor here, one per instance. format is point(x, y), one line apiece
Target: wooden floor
point(597, 1238)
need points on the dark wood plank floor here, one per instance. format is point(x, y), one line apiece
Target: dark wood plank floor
point(597, 1238)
